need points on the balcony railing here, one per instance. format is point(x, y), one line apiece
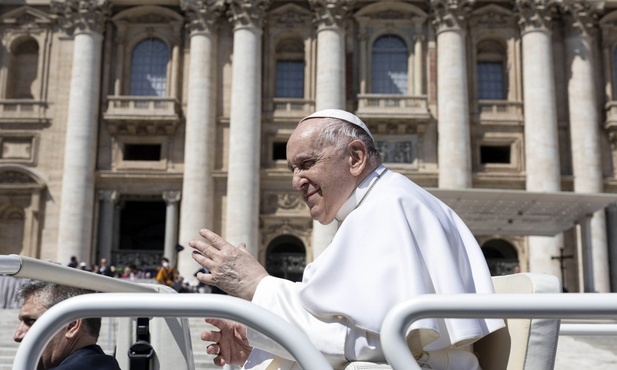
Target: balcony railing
point(500, 110)
point(142, 114)
point(388, 105)
point(22, 110)
point(291, 107)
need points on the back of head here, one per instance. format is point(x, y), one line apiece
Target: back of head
point(51, 294)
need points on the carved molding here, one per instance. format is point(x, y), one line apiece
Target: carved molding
point(203, 15)
point(450, 14)
point(172, 196)
point(331, 13)
point(108, 196)
point(535, 14)
point(583, 16)
point(77, 16)
point(282, 202)
point(247, 13)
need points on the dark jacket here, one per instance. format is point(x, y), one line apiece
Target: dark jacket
point(90, 358)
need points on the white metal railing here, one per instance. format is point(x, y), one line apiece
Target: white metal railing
point(587, 329)
point(32, 268)
point(166, 305)
point(545, 305)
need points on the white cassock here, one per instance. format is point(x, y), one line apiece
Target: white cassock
point(395, 241)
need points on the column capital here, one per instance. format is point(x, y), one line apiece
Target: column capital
point(583, 16)
point(247, 13)
point(108, 196)
point(450, 14)
point(331, 13)
point(534, 15)
point(203, 15)
point(172, 196)
point(81, 16)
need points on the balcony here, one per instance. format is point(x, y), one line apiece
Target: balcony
point(149, 115)
point(22, 111)
point(294, 108)
point(500, 111)
point(392, 106)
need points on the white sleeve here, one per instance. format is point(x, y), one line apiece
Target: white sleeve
point(280, 296)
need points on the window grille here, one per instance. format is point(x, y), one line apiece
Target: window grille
point(490, 81)
point(289, 79)
point(389, 59)
point(149, 68)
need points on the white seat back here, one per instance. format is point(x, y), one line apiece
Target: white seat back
point(529, 344)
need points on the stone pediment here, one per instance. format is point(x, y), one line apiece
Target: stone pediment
point(148, 15)
point(493, 16)
point(26, 16)
point(289, 16)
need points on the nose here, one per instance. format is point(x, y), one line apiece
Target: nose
point(297, 181)
point(19, 333)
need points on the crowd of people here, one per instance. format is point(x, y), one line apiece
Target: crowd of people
point(163, 274)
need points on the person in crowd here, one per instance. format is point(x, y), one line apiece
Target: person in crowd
point(395, 241)
point(74, 347)
point(165, 273)
point(73, 262)
point(104, 268)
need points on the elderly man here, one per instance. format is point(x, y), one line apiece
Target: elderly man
point(74, 347)
point(395, 242)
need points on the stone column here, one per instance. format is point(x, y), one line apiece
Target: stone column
point(541, 137)
point(171, 199)
point(108, 200)
point(454, 147)
point(585, 126)
point(330, 88)
point(243, 191)
point(198, 184)
point(85, 20)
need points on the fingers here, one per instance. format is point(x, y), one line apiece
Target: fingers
point(214, 239)
point(243, 248)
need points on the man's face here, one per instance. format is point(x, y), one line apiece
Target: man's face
point(55, 351)
point(321, 172)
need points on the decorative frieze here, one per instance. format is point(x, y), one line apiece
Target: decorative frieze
point(203, 15)
point(331, 13)
point(247, 13)
point(76, 16)
point(282, 202)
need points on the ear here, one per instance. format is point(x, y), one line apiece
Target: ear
point(74, 328)
point(358, 157)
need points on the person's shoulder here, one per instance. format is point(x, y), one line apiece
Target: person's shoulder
point(90, 357)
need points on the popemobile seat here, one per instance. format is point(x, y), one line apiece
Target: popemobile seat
point(524, 344)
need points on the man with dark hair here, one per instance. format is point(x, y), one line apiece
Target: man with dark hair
point(74, 347)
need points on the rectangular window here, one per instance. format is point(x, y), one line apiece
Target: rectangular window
point(490, 81)
point(289, 79)
point(142, 152)
point(279, 151)
point(495, 154)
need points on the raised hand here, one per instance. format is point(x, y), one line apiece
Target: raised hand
point(232, 269)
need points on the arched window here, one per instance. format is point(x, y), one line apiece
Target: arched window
point(289, 80)
point(286, 258)
point(149, 68)
point(389, 57)
point(23, 70)
point(501, 257)
point(490, 71)
point(12, 221)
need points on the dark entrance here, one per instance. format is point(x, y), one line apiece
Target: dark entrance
point(501, 257)
point(286, 258)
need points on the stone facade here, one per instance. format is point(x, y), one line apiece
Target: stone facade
point(125, 126)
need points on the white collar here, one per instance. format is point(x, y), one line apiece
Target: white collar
point(359, 193)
